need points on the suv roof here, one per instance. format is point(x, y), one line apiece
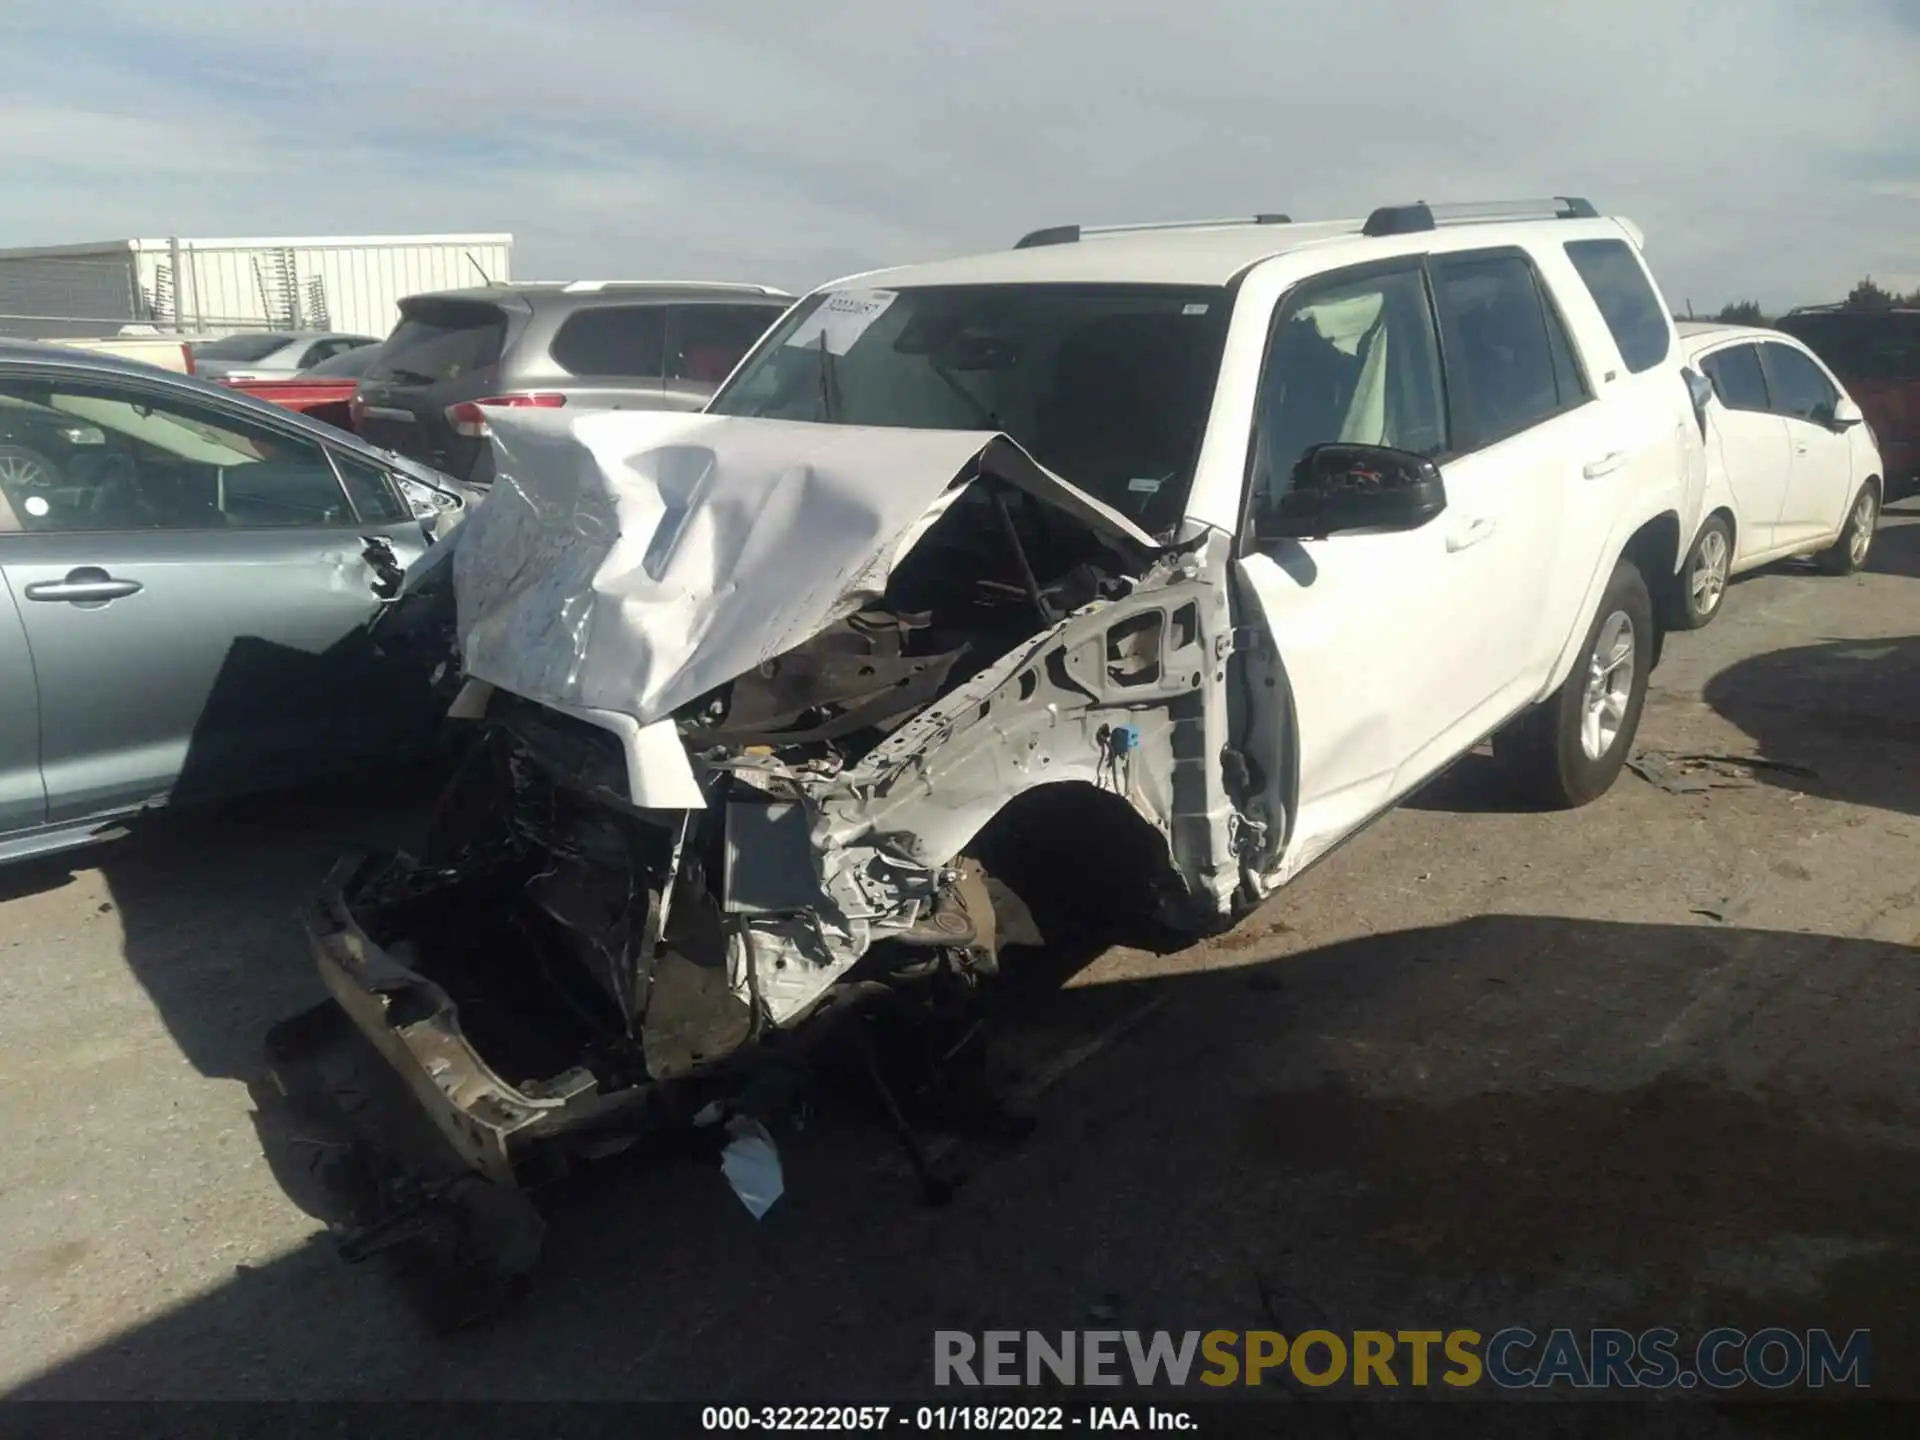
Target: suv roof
point(1214, 252)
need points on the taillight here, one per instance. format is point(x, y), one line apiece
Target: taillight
point(186, 354)
point(469, 418)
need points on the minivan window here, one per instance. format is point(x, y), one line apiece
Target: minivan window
point(1108, 386)
point(1799, 390)
point(705, 342)
point(1501, 355)
point(440, 340)
point(1737, 380)
point(627, 341)
point(1626, 299)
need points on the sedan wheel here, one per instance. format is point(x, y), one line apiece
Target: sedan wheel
point(1695, 598)
point(1849, 553)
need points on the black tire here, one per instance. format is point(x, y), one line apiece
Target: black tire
point(1544, 747)
point(1700, 589)
point(1849, 553)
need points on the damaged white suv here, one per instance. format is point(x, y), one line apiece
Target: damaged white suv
point(1229, 534)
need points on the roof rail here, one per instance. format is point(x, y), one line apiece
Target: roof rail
point(1410, 219)
point(1069, 234)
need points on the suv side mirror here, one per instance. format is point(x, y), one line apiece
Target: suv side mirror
point(1355, 487)
point(1847, 413)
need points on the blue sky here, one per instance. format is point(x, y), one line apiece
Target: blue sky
point(1769, 149)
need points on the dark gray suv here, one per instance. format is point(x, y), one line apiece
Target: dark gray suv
point(597, 344)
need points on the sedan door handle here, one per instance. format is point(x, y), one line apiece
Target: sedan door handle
point(1476, 531)
point(87, 585)
point(1605, 465)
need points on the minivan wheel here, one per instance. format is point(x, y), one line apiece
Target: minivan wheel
point(1702, 582)
point(1849, 553)
point(1568, 750)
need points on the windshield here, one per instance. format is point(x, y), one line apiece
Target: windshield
point(346, 365)
point(239, 347)
point(1108, 386)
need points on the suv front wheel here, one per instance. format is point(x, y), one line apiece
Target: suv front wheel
point(1568, 750)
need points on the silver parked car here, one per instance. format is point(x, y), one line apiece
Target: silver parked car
point(271, 354)
point(186, 580)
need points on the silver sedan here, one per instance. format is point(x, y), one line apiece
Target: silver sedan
point(186, 580)
point(271, 354)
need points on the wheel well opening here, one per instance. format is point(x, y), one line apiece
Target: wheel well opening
point(1089, 867)
point(1655, 549)
point(1733, 524)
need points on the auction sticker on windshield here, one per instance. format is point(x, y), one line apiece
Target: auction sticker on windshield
point(842, 318)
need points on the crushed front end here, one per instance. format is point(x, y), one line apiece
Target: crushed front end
point(621, 917)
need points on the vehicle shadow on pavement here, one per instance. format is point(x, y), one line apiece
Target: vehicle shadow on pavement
point(1515, 1120)
point(1842, 716)
point(1896, 548)
point(206, 900)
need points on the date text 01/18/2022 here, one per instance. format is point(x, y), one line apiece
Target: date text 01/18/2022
point(756, 1419)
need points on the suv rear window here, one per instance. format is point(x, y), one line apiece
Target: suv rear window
point(440, 340)
point(1619, 286)
point(1862, 346)
point(613, 340)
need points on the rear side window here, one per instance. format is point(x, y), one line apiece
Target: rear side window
point(705, 342)
point(1506, 349)
point(1737, 380)
point(1799, 390)
point(1618, 283)
point(615, 340)
point(373, 495)
point(446, 340)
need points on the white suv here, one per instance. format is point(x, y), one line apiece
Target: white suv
point(1223, 537)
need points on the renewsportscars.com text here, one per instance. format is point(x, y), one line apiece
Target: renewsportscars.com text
point(1514, 1358)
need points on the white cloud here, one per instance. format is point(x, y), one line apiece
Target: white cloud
point(791, 143)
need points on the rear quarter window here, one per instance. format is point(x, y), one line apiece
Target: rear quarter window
point(1626, 299)
point(440, 341)
point(623, 341)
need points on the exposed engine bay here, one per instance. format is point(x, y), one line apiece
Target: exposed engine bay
point(569, 959)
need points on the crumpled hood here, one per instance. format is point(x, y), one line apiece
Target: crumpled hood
point(631, 561)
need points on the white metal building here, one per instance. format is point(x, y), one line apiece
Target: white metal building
point(349, 283)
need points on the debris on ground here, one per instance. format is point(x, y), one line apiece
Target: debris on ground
point(752, 1165)
point(1726, 909)
point(1694, 773)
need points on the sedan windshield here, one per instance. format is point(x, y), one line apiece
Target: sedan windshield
point(348, 364)
point(1108, 386)
point(241, 348)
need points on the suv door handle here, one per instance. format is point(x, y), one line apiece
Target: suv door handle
point(87, 584)
point(1476, 531)
point(1605, 465)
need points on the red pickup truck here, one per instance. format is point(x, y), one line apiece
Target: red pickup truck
point(322, 392)
point(1876, 354)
